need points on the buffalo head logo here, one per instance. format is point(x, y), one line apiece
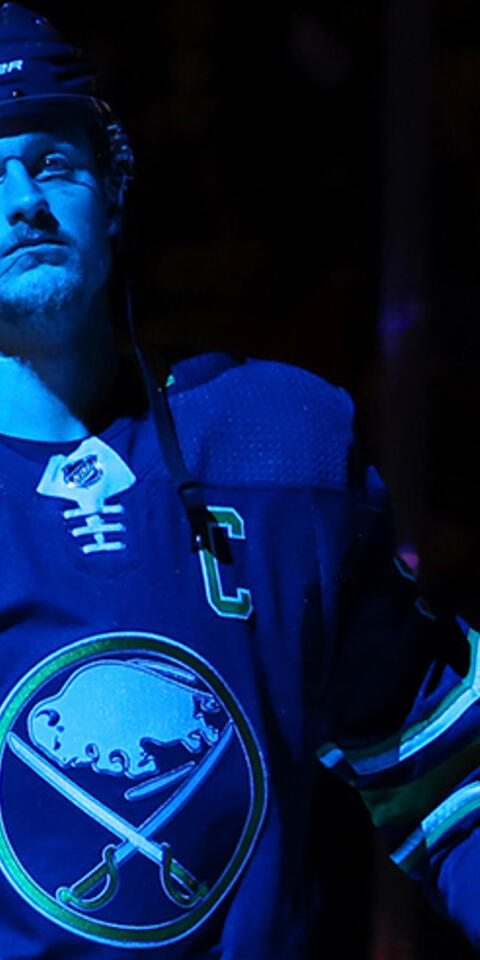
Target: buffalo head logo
point(154, 704)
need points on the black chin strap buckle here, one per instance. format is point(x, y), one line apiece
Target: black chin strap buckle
point(191, 496)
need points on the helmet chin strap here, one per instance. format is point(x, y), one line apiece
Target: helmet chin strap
point(189, 490)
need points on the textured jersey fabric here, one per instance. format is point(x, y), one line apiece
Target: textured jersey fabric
point(161, 708)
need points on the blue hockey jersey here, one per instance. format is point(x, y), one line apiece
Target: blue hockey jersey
point(161, 708)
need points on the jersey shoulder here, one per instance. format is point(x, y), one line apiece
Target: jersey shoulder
point(266, 423)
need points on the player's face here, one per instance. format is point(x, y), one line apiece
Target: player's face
point(54, 229)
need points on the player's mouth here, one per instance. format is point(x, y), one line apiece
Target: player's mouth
point(39, 242)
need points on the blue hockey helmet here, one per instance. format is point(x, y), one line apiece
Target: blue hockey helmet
point(40, 72)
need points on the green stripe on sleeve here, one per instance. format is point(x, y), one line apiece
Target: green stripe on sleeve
point(414, 800)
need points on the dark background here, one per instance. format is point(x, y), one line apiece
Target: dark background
point(259, 223)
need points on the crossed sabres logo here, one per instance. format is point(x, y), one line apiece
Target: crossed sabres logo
point(171, 698)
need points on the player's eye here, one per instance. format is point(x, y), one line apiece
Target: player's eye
point(52, 165)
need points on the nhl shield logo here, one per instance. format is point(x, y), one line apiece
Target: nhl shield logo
point(133, 789)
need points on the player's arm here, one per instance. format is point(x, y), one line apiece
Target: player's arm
point(404, 707)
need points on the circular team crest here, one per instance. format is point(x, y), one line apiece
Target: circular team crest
point(133, 789)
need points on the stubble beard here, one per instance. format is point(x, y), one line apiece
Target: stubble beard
point(42, 309)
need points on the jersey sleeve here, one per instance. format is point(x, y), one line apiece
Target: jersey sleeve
point(403, 706)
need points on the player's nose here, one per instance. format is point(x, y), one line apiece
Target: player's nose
point(20, 196)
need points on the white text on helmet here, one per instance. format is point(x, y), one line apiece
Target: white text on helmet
point(8, 66)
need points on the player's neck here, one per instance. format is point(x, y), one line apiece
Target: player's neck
point(59, 394)
point(28, 409)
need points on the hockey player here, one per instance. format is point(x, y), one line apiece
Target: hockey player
point(195, 601)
